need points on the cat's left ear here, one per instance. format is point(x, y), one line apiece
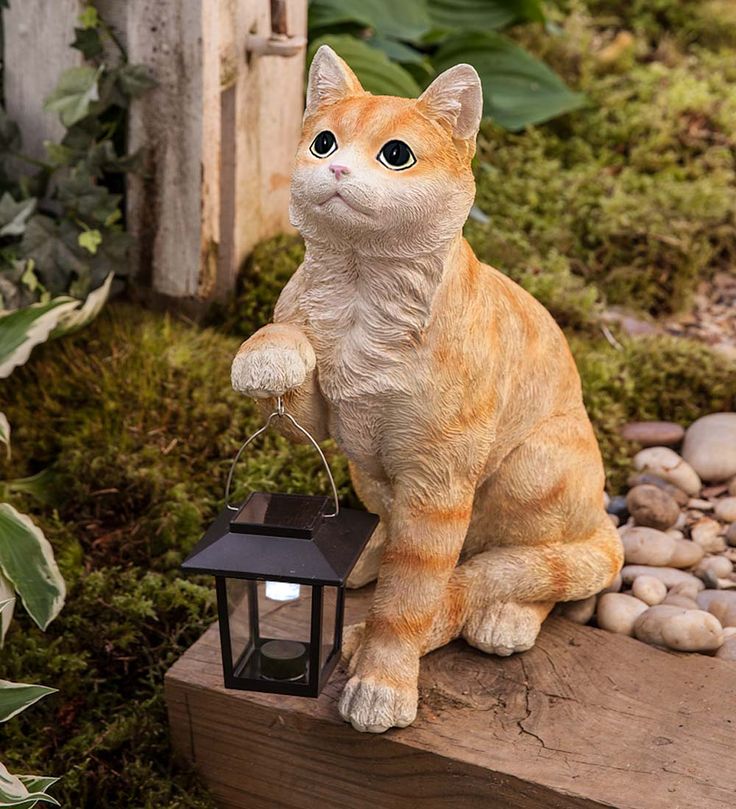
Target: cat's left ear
point(330, 79)
point(455, 98)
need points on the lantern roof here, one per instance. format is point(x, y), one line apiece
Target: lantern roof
point(283, 537)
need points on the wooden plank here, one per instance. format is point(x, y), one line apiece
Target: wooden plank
point(265, 127)
point(585, 719)
point(36, 52)
point(220, 131)
point(165, 207)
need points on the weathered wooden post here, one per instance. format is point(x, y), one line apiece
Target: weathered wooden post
point(220, 128)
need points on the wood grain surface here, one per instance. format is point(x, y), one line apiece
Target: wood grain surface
point(584, 719)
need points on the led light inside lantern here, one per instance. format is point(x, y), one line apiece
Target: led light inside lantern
point(280, 563)
point(282, 590)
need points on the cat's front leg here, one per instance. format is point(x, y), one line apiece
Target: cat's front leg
point(276, 359)
point(425, 536)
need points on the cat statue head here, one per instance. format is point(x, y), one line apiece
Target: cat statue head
point(380, 174)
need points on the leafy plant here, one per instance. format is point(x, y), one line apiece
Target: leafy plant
point(61, 227)
point(398, 48)
point(22, 791)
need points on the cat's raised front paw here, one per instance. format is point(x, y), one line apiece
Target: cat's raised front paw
point(268, 371)
point(372, 706)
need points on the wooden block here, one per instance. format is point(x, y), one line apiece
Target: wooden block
point(584, 719)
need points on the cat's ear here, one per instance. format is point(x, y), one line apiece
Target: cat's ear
point(330, 79)
point(455, 98)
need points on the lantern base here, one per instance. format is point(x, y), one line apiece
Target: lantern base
point(250, 674)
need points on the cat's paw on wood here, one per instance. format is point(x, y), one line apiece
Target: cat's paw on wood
point(268, 371)
point(373, 706)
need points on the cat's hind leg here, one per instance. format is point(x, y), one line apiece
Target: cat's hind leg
point(509, 591)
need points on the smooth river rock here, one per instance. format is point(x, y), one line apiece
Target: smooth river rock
point(721, 603)
point(652, 507)
point(731, 534)
point(725, 509)
point(685, 630)
point(728, 649)
point(617, 612)
point(668, 465)
point(669, 575)
point(653, 433)
point(649, 590)
point(706, 532)
point(579, 611)
point(710, 446)
point(647, 479)
point(648, 546)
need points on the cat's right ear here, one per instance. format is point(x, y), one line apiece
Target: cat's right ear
point(330, 79)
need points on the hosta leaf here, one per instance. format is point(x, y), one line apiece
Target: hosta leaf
point(471, 15)
point(7, 606)
point(398, 51)
point(14, 215)
point(407, 19)
point(11, 788)
point(87, 312)
point(16, 697)
point(5, 432)
point(76, 90)
point(376, 72)
point(518, 89)
point(24, 791)
point(25, 328)
point(26, 558)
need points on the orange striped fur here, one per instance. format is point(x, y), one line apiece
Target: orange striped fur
point(451, 390)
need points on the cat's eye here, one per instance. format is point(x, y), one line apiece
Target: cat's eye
point(324, 144)
point(396, 155)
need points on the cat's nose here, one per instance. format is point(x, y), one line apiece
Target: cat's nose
point(338, 170)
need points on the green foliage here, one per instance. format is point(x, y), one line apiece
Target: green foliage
point(655, 377)
point(61, 228)
point(637, 191)
point(395, 49)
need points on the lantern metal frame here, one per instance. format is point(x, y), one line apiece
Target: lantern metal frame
point(282, 538)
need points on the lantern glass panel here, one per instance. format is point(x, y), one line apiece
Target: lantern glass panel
point(239, 618)
point(329, 616)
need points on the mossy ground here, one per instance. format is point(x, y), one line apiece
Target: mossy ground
point(628, 201)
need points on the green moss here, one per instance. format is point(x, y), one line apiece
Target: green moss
point(657, 377)
point(265, 274)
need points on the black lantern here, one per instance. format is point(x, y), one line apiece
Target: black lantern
point(280, 563)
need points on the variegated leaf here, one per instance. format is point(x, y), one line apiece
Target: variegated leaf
point(5, 432)
point(87, 312)
point(27, 559)
point(23, 329)
point(16, 697)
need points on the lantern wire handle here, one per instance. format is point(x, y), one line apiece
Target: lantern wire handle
point(280, 412)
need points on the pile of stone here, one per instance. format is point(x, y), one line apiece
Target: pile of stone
point(677, 523)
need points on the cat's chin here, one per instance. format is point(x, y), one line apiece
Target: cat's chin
point(337, 202)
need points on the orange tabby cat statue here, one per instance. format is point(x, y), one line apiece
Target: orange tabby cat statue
point(450, 389)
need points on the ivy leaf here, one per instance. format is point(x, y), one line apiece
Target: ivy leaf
point(89, 18)
point(87, 41)
point(76, 91)
point(376, 72)
point(46, 241)
point(90, 240)
point(14, 215)
point(10, 140)
point(134, 80)
point(111, 256)
point(518, 90)
point(78, 192)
